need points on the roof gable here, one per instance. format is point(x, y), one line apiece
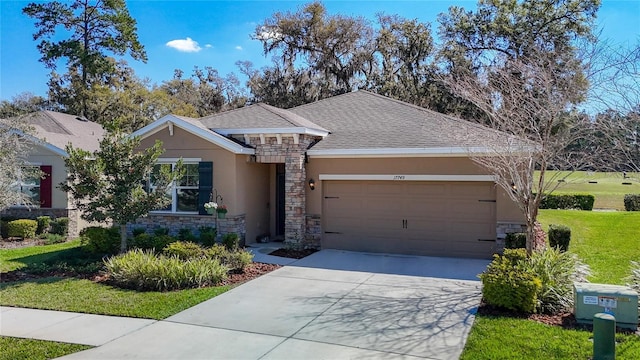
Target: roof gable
point(194, 127)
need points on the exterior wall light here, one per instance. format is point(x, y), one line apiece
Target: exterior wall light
point(312, 184)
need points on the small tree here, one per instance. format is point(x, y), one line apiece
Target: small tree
point(108, 183)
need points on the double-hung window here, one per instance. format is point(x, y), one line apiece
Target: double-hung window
point(184, 192)
point(29, 186)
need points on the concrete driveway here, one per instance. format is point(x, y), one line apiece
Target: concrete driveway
point(330, 305)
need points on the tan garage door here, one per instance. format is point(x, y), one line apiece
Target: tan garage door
point(409, 217)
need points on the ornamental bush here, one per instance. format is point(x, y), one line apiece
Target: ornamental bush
point(208, 235)
point(632, 202)
point(60, 226)
point(231, 241)
point(43, 224)
point(557, 271)
point(509, 284)
point(22, 228)
point(568, 201)
point(143, 270)
point(515, 241)
point(559, 236)
point(234, 259)
point(100, 240)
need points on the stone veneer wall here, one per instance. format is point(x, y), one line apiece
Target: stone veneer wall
point(313, 236)
point(174, 222)
point(33, 213)
point(293, 156)
point(504, 228)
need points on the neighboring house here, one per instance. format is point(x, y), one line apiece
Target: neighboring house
point(357, 171)
point(52, 131)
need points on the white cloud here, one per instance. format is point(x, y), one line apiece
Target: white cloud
point(269, 34)
point(239, 47)
point(184, 45)
point(208, 46)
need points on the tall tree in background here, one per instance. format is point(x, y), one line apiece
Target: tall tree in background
point(517, 61)
point(96, 28)
point(24, 103)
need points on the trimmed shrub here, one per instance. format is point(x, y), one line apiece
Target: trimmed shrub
point(632, 202)
point(559, 236)
point(142, 270)
point(22, 228)
point(557, 271)
point(138, 230)
point(231, 241)
point(146, 241)
point(568, 201)
point(185, 234)
point(100, 240)
point(515, 241)
point(184, 250)
point(60, 226)
point(43, 224)
point(509, 284)
point(161, 231)
point(208, 235)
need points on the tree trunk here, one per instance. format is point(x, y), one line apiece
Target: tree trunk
point(123, 238)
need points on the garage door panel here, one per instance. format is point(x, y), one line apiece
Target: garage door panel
point(423, 218)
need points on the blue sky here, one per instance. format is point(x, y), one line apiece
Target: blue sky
point(222, 32)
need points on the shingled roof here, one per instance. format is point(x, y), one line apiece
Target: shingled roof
point(363, 120)
point(60, 129)
point(258, 116)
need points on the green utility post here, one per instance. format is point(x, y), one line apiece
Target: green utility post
point(604, 337)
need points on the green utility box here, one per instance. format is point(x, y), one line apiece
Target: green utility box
point(619, 301)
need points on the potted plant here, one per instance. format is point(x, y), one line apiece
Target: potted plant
point(222, 211)
point(210, 207)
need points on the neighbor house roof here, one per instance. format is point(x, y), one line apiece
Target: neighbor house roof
point(364, 123)
point(261, 118)
point(57, 130)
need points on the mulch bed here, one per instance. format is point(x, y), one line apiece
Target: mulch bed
point(19, 243)
point(565, 320)
point(293, 254)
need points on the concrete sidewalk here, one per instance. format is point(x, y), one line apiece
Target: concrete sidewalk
point(320, 307)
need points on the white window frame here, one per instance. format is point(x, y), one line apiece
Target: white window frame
point(24, 188)
point(174, 187)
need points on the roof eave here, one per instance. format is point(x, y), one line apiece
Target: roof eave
point(289, 130)
point(210, 136)
point(54, 149)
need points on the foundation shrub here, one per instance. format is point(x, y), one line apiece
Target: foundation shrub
point(559, 236)
point(22, 228)
point(100, 240)
point(4, 229)
point(143, 270)
point(60, 226)
point(138, 230)
point(231, 241)
point(184, 250)
point(43, 224)
point(507, 283)
point(154, 242)
point(515, 241)
point(185, 234)
point(208, 235)
point(632, 202)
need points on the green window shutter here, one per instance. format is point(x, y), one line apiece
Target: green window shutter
point(205, 184)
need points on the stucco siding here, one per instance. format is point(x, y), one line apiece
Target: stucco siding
point(252, 194)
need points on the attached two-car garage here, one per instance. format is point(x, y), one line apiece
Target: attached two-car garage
point(436, 218)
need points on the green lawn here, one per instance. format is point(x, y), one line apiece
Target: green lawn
point(608, 189)
point(606, 241)
point(29, 349)
point(14, 259)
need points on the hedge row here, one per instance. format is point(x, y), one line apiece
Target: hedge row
point(568, 201)
point(632, 202)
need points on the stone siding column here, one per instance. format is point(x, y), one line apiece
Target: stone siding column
point(295, 179)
